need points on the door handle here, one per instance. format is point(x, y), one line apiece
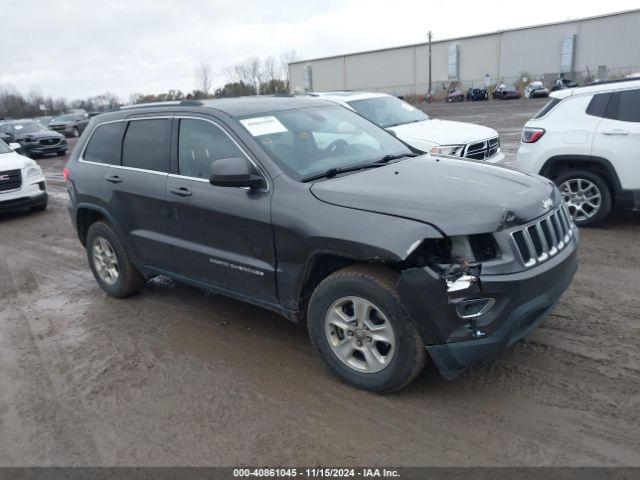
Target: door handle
point(615, 132)
point(181, 192)
point(113, 179)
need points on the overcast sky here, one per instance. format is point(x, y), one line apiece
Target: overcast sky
point(81, 48)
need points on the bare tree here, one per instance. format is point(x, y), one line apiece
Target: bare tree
point(204, 78)
point(269, 70)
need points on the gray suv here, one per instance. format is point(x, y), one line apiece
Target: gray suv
point(306, 208)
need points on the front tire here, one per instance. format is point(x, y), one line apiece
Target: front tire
point(110, 264)
point(361, 329)
point(587, 196)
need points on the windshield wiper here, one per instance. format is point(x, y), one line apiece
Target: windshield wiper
point(388, 158)
point(332, 172)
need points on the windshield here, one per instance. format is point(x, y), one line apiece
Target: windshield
point(388, 111)
point(25, 127)
point(4, 148)
point(310, 141)
point(63, 118)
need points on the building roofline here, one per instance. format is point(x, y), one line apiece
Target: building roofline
point(478, 35)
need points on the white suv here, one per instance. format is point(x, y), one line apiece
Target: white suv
point(22, 183)
point(416, 128)
point(587, 139)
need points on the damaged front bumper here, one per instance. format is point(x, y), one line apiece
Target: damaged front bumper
point(510, 306)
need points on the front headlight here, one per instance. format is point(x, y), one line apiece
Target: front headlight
point(33, 168)
point(451, 150)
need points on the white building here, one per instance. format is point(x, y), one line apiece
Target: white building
point(598, 47)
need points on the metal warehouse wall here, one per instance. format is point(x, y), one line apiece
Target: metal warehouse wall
point(610, 40)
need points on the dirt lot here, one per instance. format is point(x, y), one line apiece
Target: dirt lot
point(177, 376)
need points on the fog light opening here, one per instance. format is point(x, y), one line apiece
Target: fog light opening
point(474, 308)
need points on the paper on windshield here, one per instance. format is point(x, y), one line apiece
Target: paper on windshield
point(407, 107)
point(258, 126)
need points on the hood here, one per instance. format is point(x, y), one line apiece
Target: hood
point(443, 132)
point(12, 161)
point(39, 135)
point(459, 197)
point(59, 122)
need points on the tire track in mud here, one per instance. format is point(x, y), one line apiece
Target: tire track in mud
point(33, 391)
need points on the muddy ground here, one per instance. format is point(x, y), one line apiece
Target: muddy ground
point(176, 376)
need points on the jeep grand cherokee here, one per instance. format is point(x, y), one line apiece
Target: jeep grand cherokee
point(310, 210)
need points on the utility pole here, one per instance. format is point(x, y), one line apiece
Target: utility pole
point(429, 94)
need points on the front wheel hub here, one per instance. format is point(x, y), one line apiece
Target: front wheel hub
point(360, 334)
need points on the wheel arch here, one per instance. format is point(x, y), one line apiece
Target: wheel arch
point(560, 163)
point(320, 265)
point(86, 215)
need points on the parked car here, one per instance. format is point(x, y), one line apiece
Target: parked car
point(70, 124)
point(506, 92)
point(22, 183)
point(34, 139)
point(476, 94)
point(306, 208)
point(455, 95)
point(536, 90)
point(561, 83)
point(416, 128)
point(587, 140)
point(44, 120)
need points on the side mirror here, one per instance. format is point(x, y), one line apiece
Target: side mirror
point(235, 172)
point(14, 146)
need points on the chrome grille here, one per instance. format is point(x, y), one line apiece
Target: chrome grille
point(545, 237)
point(482, 150)
point(10, 180)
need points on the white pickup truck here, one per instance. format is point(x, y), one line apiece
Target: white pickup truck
point(22, 183)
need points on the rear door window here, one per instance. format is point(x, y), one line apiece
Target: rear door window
point(145, 144)
point(105, 144)
point(599, 104)
point(629, 106)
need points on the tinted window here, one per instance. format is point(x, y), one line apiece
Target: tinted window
point(105, 144)
point(145, 145)
point(629, 106)
point(547, 108)
point(598, 105)
point(201, 143)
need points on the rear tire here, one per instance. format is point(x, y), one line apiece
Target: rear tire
point(383, 351)
point(110, 264)
point(587, 196)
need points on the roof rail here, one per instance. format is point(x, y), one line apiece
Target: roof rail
point(182, 103)
point(607, 82)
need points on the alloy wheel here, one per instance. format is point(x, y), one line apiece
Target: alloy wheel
point(582, 197)
point(360, 334)
point(105, 261)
